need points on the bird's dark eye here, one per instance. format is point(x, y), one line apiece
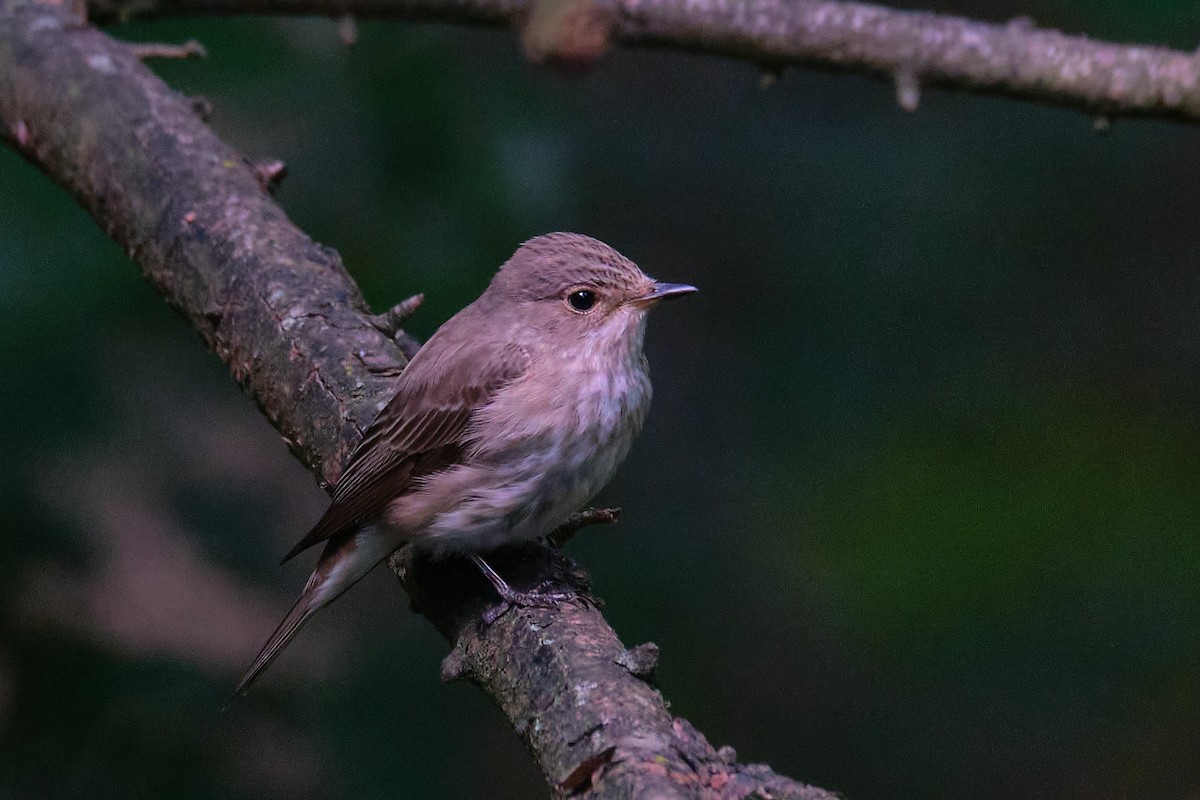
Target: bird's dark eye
point(582, 300)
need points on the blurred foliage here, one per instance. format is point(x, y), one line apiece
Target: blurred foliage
point(916, 501)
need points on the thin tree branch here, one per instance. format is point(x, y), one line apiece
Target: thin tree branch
point(189, 49)
point(281, 311)
point(910, 48)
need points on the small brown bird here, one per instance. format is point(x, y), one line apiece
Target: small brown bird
point(511, 417)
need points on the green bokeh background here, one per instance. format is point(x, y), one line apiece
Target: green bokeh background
point(915, 513)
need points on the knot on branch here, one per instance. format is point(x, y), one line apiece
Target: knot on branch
point(270, 174)
point(571, 35)
point(202, 107)
point(454, 665)
point(389, 323)
point(581, 519)
point(641, 661)
point(347, 30)
point(19, 131)
point(908, 88)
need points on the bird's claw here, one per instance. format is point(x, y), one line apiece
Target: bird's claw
point(537, 598)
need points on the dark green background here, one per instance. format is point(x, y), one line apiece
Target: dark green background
point(915, 514)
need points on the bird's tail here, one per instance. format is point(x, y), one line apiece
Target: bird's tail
point(305, 607)
point(340, 566)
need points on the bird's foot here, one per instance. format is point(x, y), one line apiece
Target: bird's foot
point(542, 597)
point(537, 598)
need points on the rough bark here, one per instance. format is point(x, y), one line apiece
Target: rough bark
point(278, 308)
point(910, 48)
point(584, 704)
point(282, 312)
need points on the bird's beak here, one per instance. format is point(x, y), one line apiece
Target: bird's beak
point(664, 291)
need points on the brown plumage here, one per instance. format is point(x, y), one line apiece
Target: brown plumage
point(514, 413)
point(422, 429)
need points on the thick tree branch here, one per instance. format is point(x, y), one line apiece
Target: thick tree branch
point(910, 48)
point(275, 306)
point(283, 314)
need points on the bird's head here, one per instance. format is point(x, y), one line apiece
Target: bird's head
point(573, 283)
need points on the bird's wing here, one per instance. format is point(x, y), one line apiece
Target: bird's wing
point(423, 429)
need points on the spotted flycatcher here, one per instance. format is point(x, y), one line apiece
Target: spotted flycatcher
point(513, 415)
